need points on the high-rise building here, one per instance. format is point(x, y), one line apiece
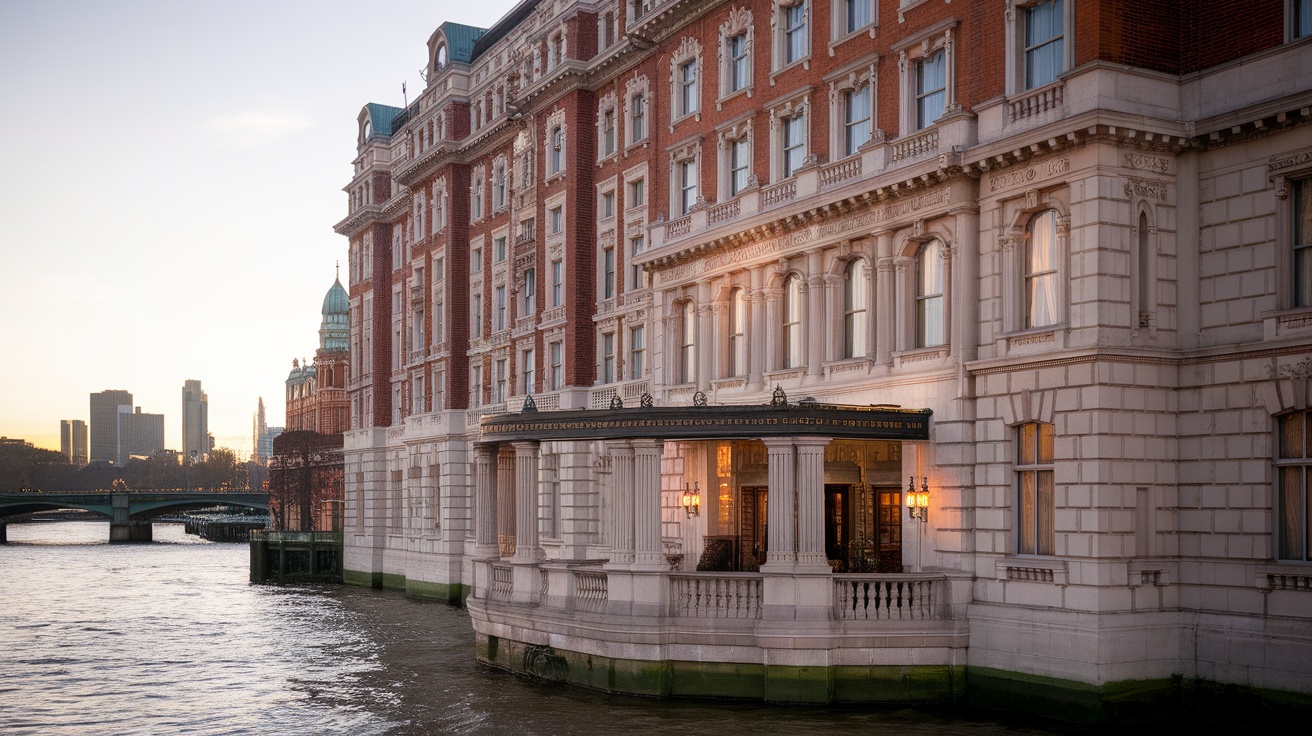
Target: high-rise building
point(105, 407)
point(656, 307)
point(139, 434)
point(195, 422)
point(262, 436)
point(73, 440)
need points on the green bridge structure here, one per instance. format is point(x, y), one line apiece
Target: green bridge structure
point(129, 512)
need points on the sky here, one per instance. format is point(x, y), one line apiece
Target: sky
point(172, 172)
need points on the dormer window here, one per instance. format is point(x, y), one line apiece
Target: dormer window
point(441, 57)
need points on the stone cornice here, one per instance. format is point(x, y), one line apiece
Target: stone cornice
point(358, 220)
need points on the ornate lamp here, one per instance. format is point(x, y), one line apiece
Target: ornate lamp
point(918, 501)
point(692, 499)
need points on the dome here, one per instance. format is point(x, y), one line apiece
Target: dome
point(335, 330)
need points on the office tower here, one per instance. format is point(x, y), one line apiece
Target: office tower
point(195, 422)
point(104, 423)
point(73, 440)
point(138, 434)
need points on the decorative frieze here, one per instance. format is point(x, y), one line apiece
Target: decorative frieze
point(1029, 174)
point(1145, 188)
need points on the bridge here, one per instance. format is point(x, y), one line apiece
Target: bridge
point(129, 512)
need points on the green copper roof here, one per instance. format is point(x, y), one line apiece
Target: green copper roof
point(460, 41)
point(382, 117)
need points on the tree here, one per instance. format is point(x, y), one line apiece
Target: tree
point(305, 473)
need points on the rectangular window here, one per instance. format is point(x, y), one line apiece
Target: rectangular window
point(1302, 18)
point(608, 133)
point(608, 273)
point(439, 320)
point(476, 316)
point(638, 121)
point(499, 249)
point(499, 316)
point(687, 185)
point(439, 269)
point(794, 142)
point(1034, 484)
point(794, 32)
point(557, 283)
point(557, 355)
point(636, 245)
point(931, 88)
point(637, 193)
point(417, 395)
point(557, 154)
point(637, 352)
point(1303, 243)
point(607, 209)
point(499, 386)
point(740, 165)
point(1292, 468)
point(476, 385)
point(476, 199)
point(527, 369)
point(687, 88)
point(858, 15)
point(476, 261)
point(557, 219)
point(738, 62)
point(856, 119)
point(1044, 43)
point(608, 358)
point(530, 290)
point(439, 390)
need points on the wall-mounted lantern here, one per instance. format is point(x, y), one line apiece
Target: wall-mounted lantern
point(692, 499)
point(918, 501)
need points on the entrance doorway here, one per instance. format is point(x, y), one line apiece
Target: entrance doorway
point(863, 529)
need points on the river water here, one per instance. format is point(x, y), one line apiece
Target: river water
point(169, 637)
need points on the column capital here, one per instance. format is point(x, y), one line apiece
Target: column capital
point(811, 441)
point(778, 441)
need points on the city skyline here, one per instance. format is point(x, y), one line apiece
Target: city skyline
point(238, 165)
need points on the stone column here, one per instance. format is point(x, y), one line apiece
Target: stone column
point(621, 508)
point(886, 312)
point(781, 534)
point(772, 328)
point(965, 280)
point(755, 331)
point(706, 337)
point(811, 555)
point(815, 316)
point(506, 501)
point(526, 502)
point(648, 554)
point(579, 498)
point(485, 502)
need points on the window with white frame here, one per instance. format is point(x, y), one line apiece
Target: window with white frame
point(527, 372)
point(792, 327)
point(687, 343)
point(556, 355)
point(1294, 473)
point(1042, 291)
point(476, 197)
point(555, 132)
point(1302, 241)
point(608, 357)
point(637, 352)
point(499, 249)
point(929, 295)
point(738, 332)
point(499, 308)
point(736, 52)
point(439, 317)
point(1036, 533)
point(792, 32)
point(476, 316)
point(1045, 42)
point(557, 283)
point(851, 16)
point(476, 383)
point(606, 205)
point(684, 178)
point(637, 195)
point(476, 260)
point(735, 146)
point(607, 135)
point(856, 302)
point(439, 389)
point(556, 220)
point(417, 394)
point(439, 205)
point(529, 292)
point(502, 373)
point(852, 110)
point(789, 133)
point(608, 273)
point(499, 183)
point(928, 70)
point(636, 97)
point(685, 74)
point(636, 245)
point(1300, 18)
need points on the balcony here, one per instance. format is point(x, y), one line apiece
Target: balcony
point(630, 392)
point(1036, 103)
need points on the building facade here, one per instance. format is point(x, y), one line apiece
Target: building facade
point(73, 441)
point(195, 422)
point(655, 305)
point(139, 434)
point(316, 394)
point(105, 407)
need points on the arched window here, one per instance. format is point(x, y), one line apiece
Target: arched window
point(856, 295)
point(687, 344)
point(792, 337)
point(737, 333)
point(929, 295)
point(1041, 287)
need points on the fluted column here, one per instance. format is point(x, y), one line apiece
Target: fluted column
point(648, 554)
point(781, 539)
point(811, 503)
point(526, 501)
point(705, 341)
point(506, 501)
point(485, 509)
point(886, 313)
point(772, 328)
point(756, 333)
point(621, 507)
point(815, 315)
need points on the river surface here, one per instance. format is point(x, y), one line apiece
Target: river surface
point(170, 637)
